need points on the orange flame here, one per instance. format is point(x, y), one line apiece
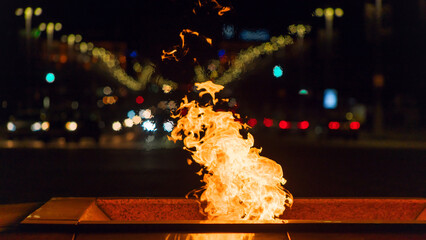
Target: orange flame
point(222, 9)
point(173, 54)
point(239, 183)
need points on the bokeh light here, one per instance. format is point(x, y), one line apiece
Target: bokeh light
point(50, 77)
point(38, 11)
point(116, 126)
point(11, 127)
point(354, 125)
point(71, 126)
point(303, 125)
point(277, 71)
point(284, 124)
point(268, 122)
point(139, 100)
point(168, 126)
point(149, 126)
point(252, 122)
point(339, 12)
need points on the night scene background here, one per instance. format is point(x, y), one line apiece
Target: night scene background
point(86, 97)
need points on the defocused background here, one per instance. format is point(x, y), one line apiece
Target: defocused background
point(85, 96)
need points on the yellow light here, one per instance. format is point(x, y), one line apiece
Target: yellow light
point(45, 126)
point(38, 11)
point(58, 26)
point(78, 38)
point(71, 126)
point(83, 47)
point(71, 39)
point(349, 116)
point(116, 126)
point(42, 26)
point(319, 12)
point(292, 28)
point(329, 12)
point(128, 122)
point(50, 27)
point(19, 11)
point(90, 46)
point(136, 119)
point(339, 12)
point(28, 12)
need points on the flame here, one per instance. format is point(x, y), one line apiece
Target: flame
point(173, 54)
point(239, 183)
point(222, 9)
point(210, 236)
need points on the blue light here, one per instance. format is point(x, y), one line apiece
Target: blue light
point(131, 114)
point(221, 53)
point(50, 77)
point(228, 31)
point(278, 71)
point(133, 54)
point(257, 35)
point(330, 99)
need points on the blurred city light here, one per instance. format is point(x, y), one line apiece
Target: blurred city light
point(150, 138)
point(78, 38)
point(268, 122)
point(58, 26)
point(354, 125)
point(19, 11)
point(107, 90)
point(284, 125)
point(149, 126)
point(338, 12)
point(74, 105)
point(329, 12)
point(71, 126)
point(330, 99)
point(38, 11)
point(303, 125)
point(277, 71)
point(303, 92)
point(116, 126)
point(36, 126)
point(46, 102)
point(333, 125)
point(166, 88)
point(11, 127)
point(50, 77)
point(128, 122)
point(139, 99)
point(319, 12)
point(252, 122)
point(131, 114)
point(136, 119)
point(45, 126)
point(42, 26)
point(145, 113)
point(168, 126)
point(349, 116)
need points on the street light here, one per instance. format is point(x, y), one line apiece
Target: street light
point(28, 14)
point(328, 14)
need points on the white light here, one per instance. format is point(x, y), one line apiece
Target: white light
point(149, 126)
point(128, 122)
point(168, 126)
point(116, 126)
point(107, 90)
point(136, 119)
point(145, 114)
point(11, 127)
point(71, 126)
point(36, 127)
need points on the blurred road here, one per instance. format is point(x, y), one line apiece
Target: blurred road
point(34, 171)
